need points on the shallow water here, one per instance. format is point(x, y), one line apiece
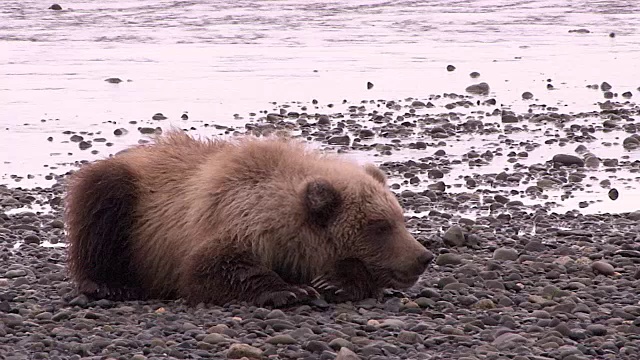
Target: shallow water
point(219, 58)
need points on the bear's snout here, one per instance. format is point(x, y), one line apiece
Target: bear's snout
point(423, 261)
point(425, 258)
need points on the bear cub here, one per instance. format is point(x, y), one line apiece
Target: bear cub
point(264, 221)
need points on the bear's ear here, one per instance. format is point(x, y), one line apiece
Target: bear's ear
point(322, 201)
point(376, 173)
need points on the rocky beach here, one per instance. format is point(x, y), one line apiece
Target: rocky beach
point(508, 130)
point(528, 265)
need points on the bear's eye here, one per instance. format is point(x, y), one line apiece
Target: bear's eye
point(379, 227)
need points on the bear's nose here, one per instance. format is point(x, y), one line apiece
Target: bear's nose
point(425, 258)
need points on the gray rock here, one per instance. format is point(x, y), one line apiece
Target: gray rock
point(478, 89)
point(568, 160)
point(597, 329)
point(57, 224)
point(409, 337)
point(454, 236)
point(339, 140)
point(535, 246)
point(505, 254)
point(215, 339)
point(316, 346)
point(339, 343)
point(80, 300)
point(509, 119)
point(603, 267)
point(238, 351)
point(509, 340)
point(12, 320)
point(10, 274)
point(281, 339)
point(448, 259)
point(393, 324)
point(276, 314)
point(630, 143)
point(527, 95)
point(346, 354)
point(32, 239)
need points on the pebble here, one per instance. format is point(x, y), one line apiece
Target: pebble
point(568, 160)
point(32, 239)
point(281, 339)
point(478, 89)
point(215, 339)
point(454, 236)
point(409, 337)
point(15, 273)
point(509, 340)
point(238, 351)
point(505, 254)
point(597, 329)
point(346, 354)
point(603, 267)
point(514, 278)
point(339, 140)
point(527, 95)
point(339, 343)
point(448, 259)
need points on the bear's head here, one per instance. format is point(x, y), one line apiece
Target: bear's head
point(363, 220)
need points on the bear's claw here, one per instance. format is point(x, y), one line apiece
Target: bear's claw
point(293, 295)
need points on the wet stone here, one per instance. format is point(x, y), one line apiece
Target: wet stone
point(509, 119)
point(339, 140)
point(568, 160)
point(527, 95)
point(478, 89)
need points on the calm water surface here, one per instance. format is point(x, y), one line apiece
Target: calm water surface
point(214, 59)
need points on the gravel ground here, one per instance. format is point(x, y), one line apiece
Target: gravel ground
point(512, 279)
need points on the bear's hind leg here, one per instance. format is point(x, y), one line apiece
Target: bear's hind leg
point(211, 277)
point(99, 213)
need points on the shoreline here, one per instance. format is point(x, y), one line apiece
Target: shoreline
point(510, 280)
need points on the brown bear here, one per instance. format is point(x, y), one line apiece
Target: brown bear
point(265, 221)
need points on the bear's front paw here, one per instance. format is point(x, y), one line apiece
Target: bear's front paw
point(341, 291)
point(288, 296)
point(97, 291)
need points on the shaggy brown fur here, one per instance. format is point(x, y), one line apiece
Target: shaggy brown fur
point(245, 220)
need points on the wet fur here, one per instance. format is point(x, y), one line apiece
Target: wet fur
point(221, 221)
